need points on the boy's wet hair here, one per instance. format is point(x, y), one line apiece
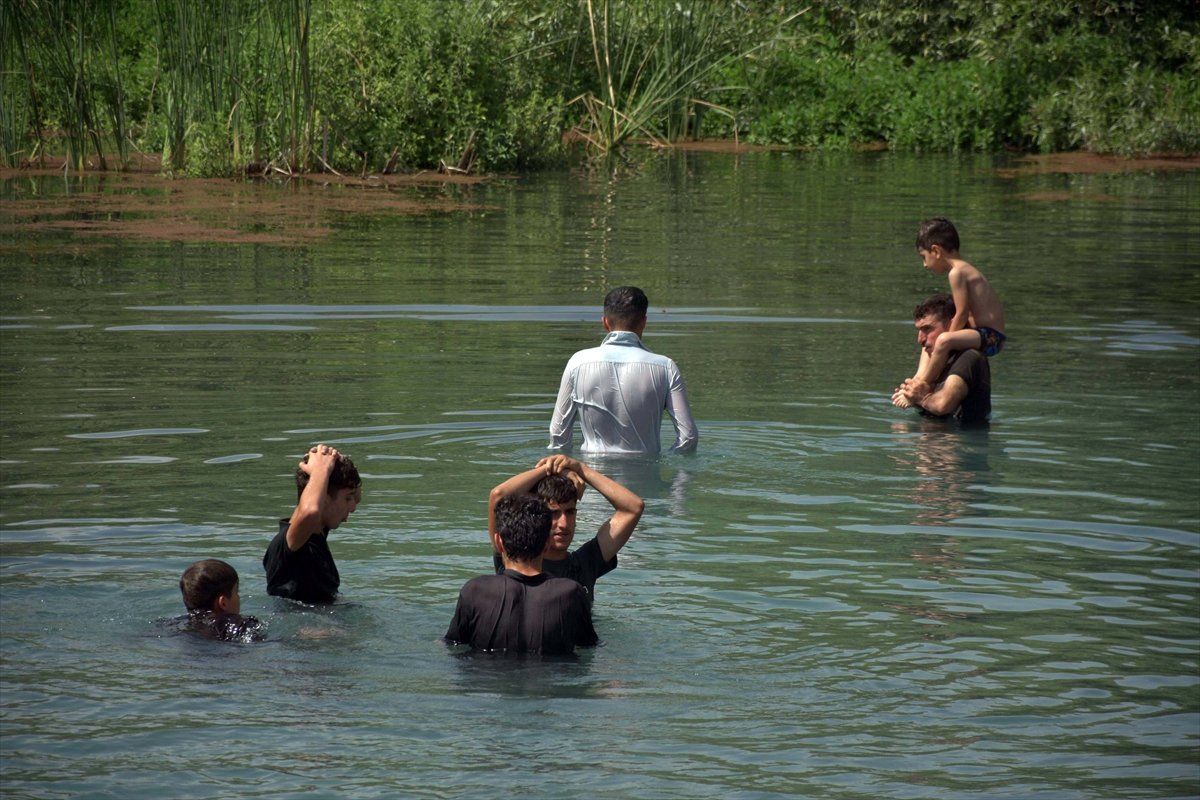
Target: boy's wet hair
point(523, 522)
point(939, 231)
point(939, 305)
point(626, 306)
point(203, 582)
point(343, 476)
point(556, 489)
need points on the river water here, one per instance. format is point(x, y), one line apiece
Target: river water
point(831, 599)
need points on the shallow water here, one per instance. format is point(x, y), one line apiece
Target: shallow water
point(832, 598)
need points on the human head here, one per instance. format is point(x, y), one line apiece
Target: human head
point(561, 495)
point(938, 231)
point(210, 585)
point(932, 317)
point(523, 523)
point(343, 476)
point(625, 309)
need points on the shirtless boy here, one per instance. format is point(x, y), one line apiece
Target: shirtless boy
point(978, 322)
point(559, 481)
point(298, 563)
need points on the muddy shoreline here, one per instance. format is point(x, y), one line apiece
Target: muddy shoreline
point(143, 203)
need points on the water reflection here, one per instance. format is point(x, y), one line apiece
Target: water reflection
point(948, 464)
point(524, 675)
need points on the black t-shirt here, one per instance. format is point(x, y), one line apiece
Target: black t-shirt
point(583, 566)
point(226, 627)
point(518, 613)
point(308, 575)
point(972, 366)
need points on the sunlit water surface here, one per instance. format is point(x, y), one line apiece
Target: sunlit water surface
point(830, 599)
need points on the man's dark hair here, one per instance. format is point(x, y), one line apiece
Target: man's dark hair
point(523, 522)
point(625, 307)
point(556, 489)
point(939, 305)
point(203, 582)
point(343, 476)
point(939, 231)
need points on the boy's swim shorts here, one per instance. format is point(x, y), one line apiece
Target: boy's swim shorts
point(992, 341)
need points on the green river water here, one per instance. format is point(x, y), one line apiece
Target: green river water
point(831, 599)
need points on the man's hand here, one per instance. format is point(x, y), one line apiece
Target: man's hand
point(320, 456)
point(558, 463)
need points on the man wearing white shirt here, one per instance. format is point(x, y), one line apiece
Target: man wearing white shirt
point(620, 389)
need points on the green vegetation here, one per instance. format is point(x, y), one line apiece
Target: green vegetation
point(312, 85)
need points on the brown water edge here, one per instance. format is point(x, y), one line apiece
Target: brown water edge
point(1095, 163)
point(141, 203)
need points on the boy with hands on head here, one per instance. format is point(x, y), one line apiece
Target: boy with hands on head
point(298, 562)
point(559, 481)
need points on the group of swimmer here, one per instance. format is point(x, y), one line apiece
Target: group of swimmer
point(539, 599)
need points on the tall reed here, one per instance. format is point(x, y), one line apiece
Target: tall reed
point(653, 62)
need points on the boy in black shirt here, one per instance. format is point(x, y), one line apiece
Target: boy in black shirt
point(559, 481)
point(298, 562)
point(522, 610)
point(210, 593)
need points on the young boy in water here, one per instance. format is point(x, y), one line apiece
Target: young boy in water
point(978, 322)
point(298, 562)
point(522, 610)
point(210, 593)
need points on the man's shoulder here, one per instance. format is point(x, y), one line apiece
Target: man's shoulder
point(563, 587)
point(964, 362)
point(589, 551)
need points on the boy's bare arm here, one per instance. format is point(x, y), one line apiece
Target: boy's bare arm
point(627, 509)
point(521, 483)
point(307, 517)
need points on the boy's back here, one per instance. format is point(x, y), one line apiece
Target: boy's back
point(523, 614)
point(984, 309)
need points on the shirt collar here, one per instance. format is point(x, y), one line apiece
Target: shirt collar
point(623, 338)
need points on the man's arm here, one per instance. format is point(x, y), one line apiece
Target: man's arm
point(945, 400)
point(564, 412)
point(521, 483)
point(307, 517)
point(627, 506)
point(686, 434)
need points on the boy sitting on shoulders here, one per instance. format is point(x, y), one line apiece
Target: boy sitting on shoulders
point(978, 322)
point(522, 610)
point(210, 592)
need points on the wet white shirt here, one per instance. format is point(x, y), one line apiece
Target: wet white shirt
point(619, 391)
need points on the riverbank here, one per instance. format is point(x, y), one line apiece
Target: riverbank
point(143, 203)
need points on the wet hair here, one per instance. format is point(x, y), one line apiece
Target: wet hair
point(939, 231)
point(939, 305)
point(343, 476)
point(203, 582)
point(523, 522)
point(625, 307)
point(556, 489)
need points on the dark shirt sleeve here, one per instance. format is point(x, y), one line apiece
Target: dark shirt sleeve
point(973, 368)
point(461, 628)
point(585, 632)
